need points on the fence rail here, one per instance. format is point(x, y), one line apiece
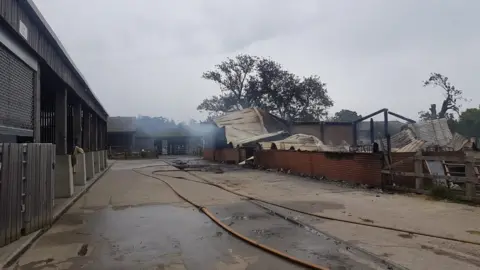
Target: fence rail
point(26, 189)
point(467, 183)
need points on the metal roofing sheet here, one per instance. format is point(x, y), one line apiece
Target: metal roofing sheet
point(305, 143)
point(260, 138)
point(245, 124)
point(423, 134)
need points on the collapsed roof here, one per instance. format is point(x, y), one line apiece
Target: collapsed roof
point(432, 133)
point(250, 125)
point(305, 142)
point(254, 125)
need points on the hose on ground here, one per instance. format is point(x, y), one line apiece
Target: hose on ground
point(235, 233)
point(384, 227)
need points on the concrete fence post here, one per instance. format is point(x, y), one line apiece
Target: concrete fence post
point(80, 175)
point(100, 161)
point(104, 159)
point(96, 161)
point(63, 176)
point(90, 171)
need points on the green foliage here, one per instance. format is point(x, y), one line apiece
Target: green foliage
point(250, 81)
point(468, 123)
point(450, 104)
point(345, 116)
point(442, 193)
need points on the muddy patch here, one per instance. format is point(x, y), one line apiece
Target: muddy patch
point(366, 220)
point(123, 207)
point(452, 255)
point(83, 250)
point(72, 220)
point(274, 232)
point(250, 216)
point(312, 206)
point(474, 232)
point(406, 235)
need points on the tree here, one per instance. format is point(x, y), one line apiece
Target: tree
point(468, 123)
point(450, 104)
point(249, 81)
point(346, 116)
point(232, 75)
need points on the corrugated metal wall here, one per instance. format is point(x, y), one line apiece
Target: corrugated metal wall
point(16, 91)
point(26, 189)
point(12, 12)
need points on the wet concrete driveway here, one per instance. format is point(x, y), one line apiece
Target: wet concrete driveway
point(130, 221)
point(127, 221)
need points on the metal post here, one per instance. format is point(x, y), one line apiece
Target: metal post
point(418, 167)
point(77, 121)
point(36, 107)
point(94, 132)
point(354, 124)
point(61, 121)
point(387, 135)
point(372, 131)
point(86, 130)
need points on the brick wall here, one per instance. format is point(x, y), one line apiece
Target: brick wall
point(361, 168)
point(208, 154)
point(227, 155)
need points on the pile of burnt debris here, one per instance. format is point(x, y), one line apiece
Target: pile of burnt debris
point(189, 166)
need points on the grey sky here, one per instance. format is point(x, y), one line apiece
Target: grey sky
point(147, 56)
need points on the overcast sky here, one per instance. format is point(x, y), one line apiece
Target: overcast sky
point(147, 56)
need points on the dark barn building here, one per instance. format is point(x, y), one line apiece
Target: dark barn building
point(121, 134)
point(43, 96)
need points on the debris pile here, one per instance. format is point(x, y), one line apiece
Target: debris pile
point(428, 135)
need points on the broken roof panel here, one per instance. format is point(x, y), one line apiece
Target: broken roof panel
point(262, 138)
point(434, 132)
point(244, 124)
point(420, 135)
point(304, 142)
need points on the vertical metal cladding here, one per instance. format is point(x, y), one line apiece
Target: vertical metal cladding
point(16, 91)
point(13, 12)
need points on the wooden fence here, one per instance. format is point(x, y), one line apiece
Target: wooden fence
point(430, 171)
point(26, 189)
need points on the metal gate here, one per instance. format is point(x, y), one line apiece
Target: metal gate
point(16, 91)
